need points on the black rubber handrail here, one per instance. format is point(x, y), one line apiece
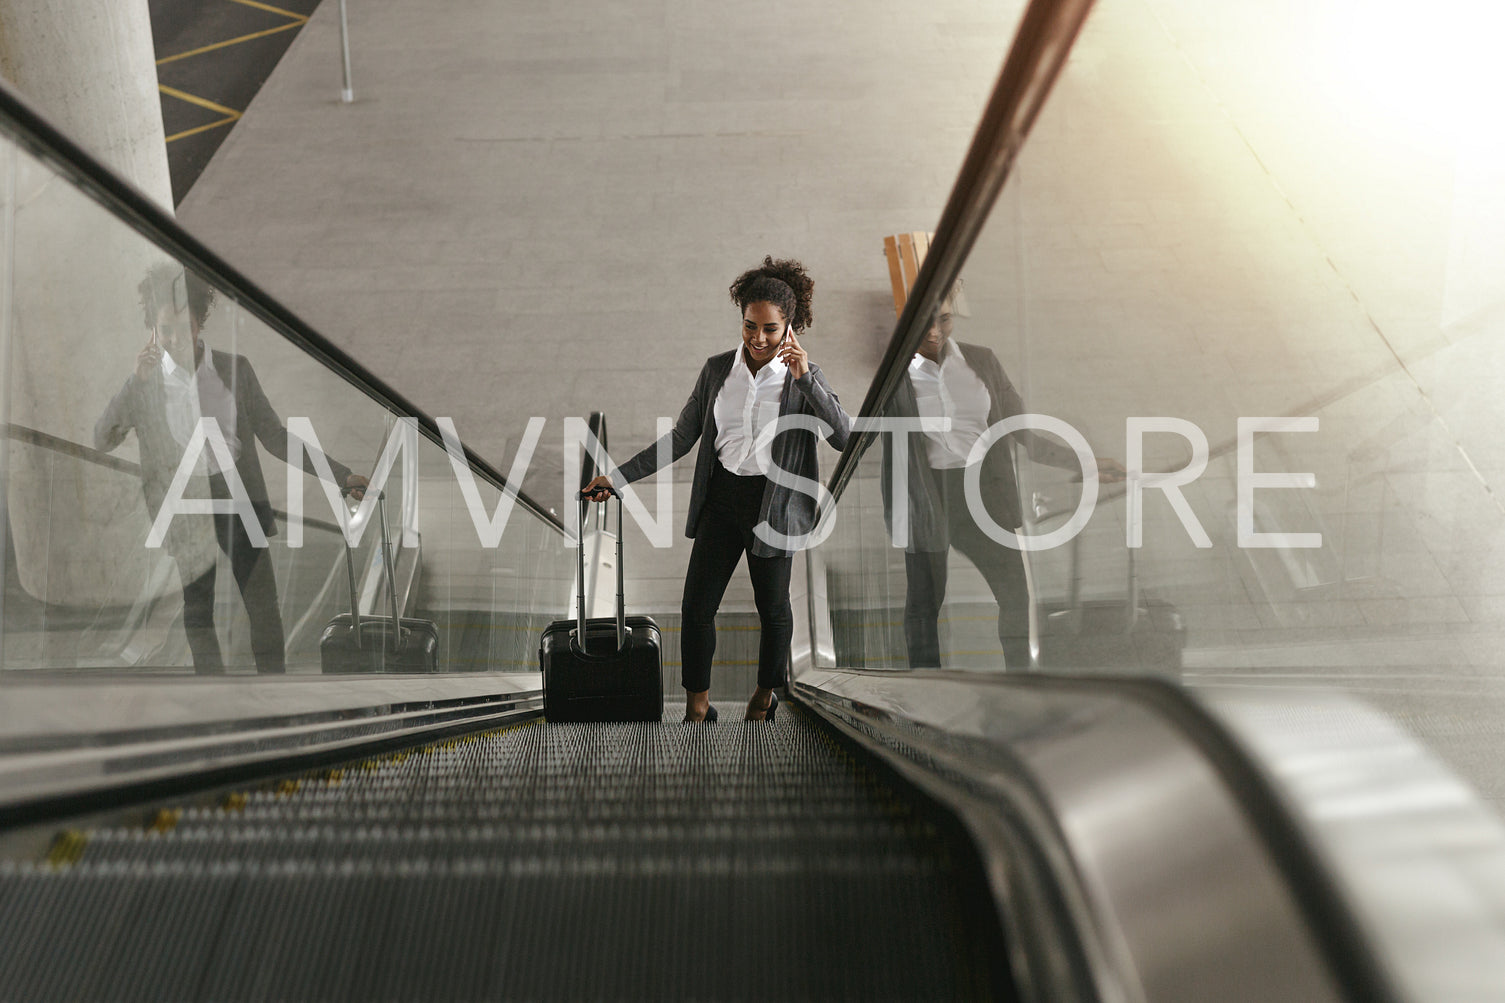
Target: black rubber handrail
point(30, 130)
point(588, 467)
point(1044, 38)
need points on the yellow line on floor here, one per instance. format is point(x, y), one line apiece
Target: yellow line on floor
point(232, 41)
point(196, 100)
point(203, 128)
point(275, 10)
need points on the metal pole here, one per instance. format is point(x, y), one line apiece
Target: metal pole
point(355, 593)
point(621, 599)
point(386, 559)
point(347, 94)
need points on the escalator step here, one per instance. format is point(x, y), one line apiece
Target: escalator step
point(737, 861)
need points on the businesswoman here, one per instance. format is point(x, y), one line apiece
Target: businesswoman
point(738, 394)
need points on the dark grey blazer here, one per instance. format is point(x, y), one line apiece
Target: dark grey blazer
point(142, 405)
point(928, 526)
point(788, 511)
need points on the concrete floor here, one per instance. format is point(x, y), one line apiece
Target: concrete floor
point(212, 58)
point(554, 201)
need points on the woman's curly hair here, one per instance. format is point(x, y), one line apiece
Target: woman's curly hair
point(170, 284)
point(784, 283)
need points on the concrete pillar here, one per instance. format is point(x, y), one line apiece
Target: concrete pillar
point(92, 70)
point(73, 318)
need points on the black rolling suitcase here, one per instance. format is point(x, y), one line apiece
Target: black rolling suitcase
point(614, 673)
point(354, 643)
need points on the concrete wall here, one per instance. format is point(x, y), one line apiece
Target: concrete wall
point(74, 322)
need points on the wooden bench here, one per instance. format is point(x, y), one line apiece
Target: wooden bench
point(905, 253)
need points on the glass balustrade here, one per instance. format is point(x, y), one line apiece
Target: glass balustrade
point(178, 468)
point(1219, 264)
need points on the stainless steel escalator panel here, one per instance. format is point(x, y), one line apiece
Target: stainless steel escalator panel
point(1420, 855)
point(65, 743)
point(1175, 892)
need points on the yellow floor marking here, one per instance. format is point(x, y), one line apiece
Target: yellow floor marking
point(67, 848)
point(233, 41)
point(231, 115)
point(275, 10)
point(195, 100)
point(203, 128)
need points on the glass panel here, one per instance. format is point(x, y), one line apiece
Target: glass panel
point(490, 604)
point(138, 397)
point(1219, 244)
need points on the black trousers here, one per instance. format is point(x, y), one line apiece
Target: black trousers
point(926, 573)
point(724, 535)
point(252, 567)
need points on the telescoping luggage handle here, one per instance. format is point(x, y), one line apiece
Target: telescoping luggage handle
point(386, 560)
point(1042, 510)
point(579, 639)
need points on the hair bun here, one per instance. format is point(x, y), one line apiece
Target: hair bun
point(782, 282)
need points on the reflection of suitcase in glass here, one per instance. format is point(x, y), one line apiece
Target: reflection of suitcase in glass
point(355, 643)
point(614, 674)
point(1137, 632)
point(1101, 635)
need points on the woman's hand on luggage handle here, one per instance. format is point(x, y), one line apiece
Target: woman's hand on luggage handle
point(599, 489)
point(355, 486)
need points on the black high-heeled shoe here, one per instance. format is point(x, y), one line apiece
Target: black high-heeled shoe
point(710, 716)
point(773, 706)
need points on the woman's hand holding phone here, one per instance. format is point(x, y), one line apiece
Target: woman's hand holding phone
point(149, 358)
point(793, 355)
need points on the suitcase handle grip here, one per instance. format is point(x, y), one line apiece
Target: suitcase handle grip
point(578, 640)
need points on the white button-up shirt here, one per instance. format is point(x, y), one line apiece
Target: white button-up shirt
point(745, 406)
point(201, 393)
point(950, 390)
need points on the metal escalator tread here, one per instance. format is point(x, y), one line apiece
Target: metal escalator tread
point(623, 861)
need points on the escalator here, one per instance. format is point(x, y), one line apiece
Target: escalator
point(901, 831)
point(624, 861)
point(176, 834)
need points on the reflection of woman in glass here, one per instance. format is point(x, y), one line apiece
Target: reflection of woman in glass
point(178, 380)
point(738, 394)
point(965, 383)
